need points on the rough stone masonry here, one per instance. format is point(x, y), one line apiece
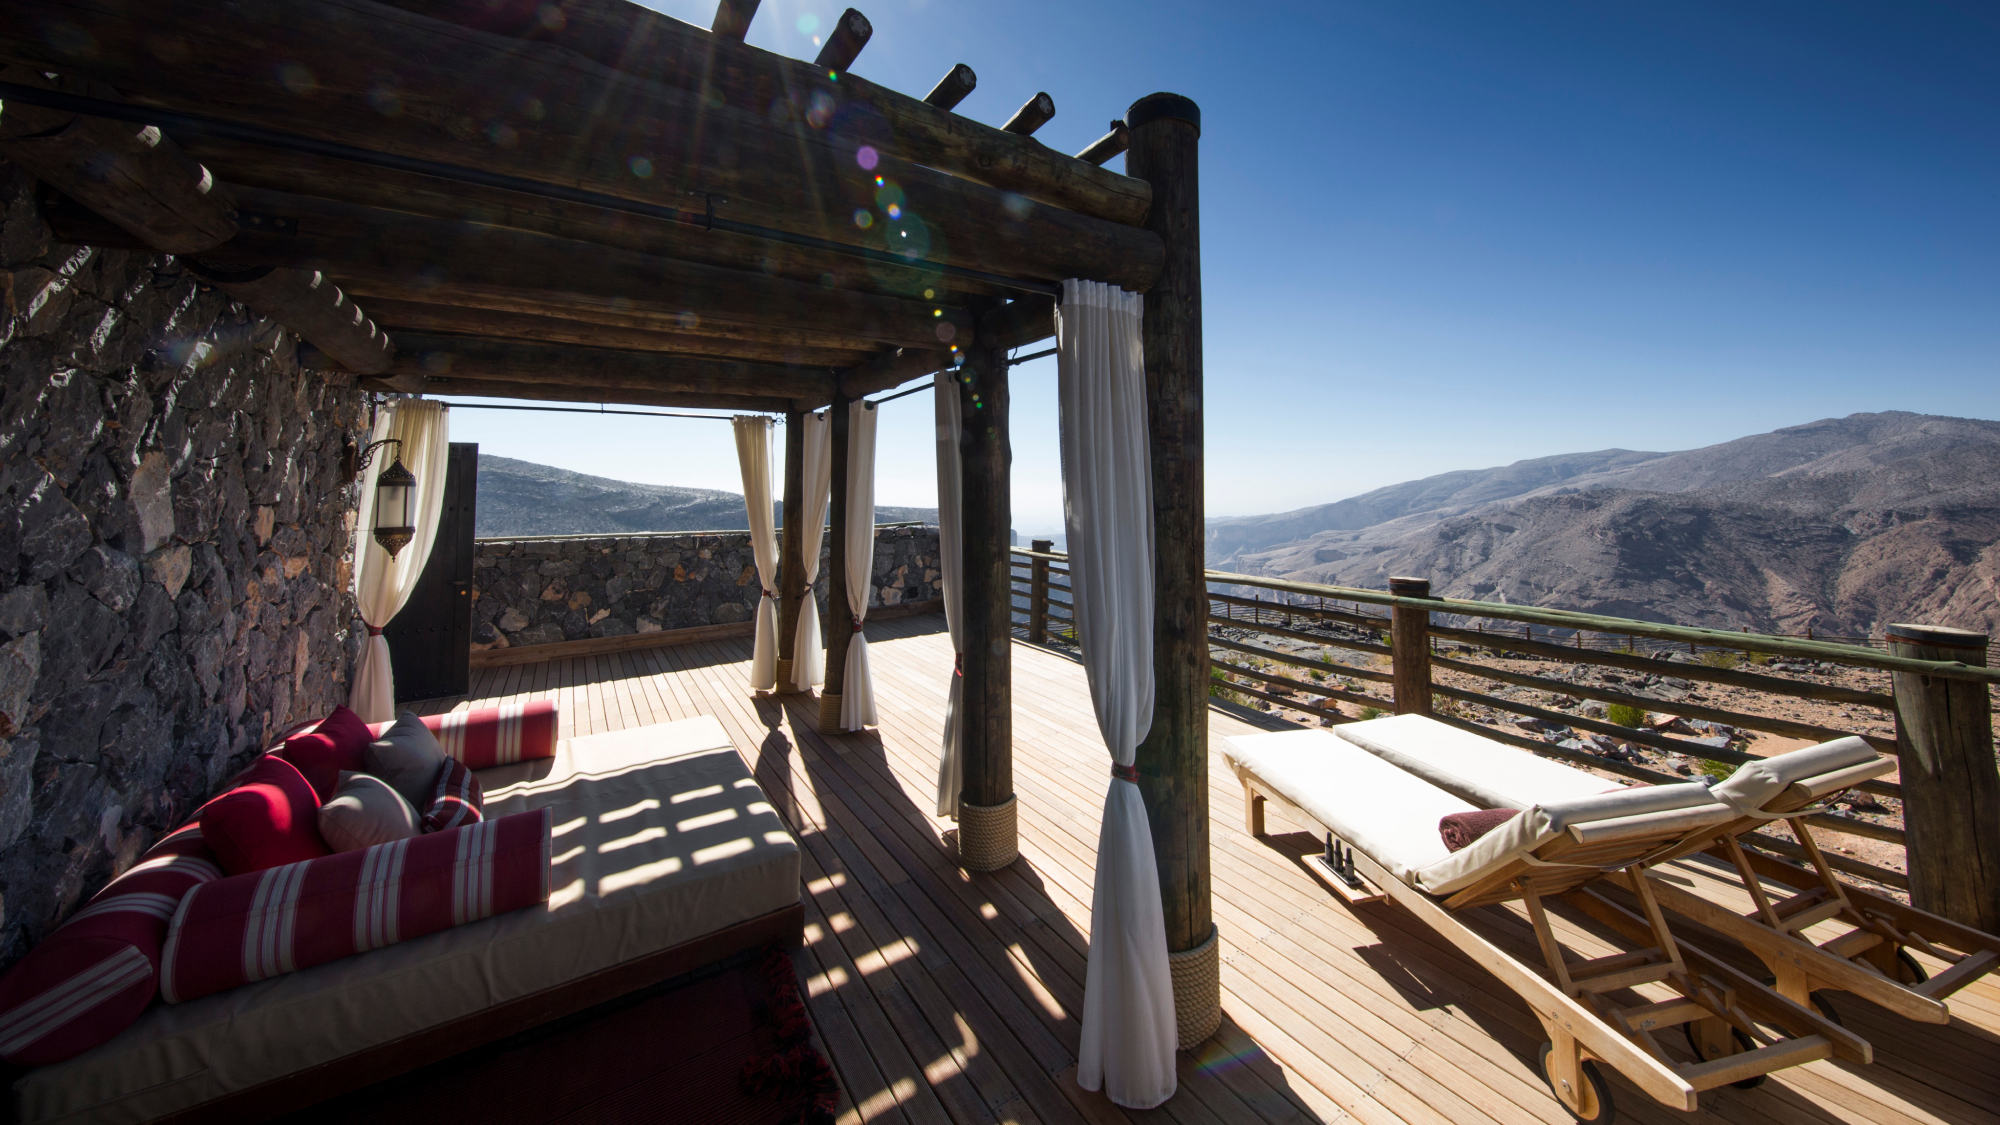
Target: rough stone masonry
point(174, 555)
point(549, 589)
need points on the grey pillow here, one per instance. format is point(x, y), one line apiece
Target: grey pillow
point(408, 757)
point(365, 811)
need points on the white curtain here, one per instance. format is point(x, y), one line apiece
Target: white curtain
point(857, 692)
point(951, 756)
point(808, 657)
point(383, 584)
point(1129, 1033)
point(753, 454)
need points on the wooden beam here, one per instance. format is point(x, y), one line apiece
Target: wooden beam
point(421, 317)
point(1107, 146)
point(1018, 322)
point(791, 544)
point(314, 308)
point(260, 166)
point(732, 19)
point(891, 369)
point(1951, 792)
point(850, 33)
point(628, 38)
point(354, 243)
point(838, 631)
point(539, 392)
point(1173, 759)
point(561, 119)
point(129, 174)
point(952, 89)
point(986, 516)
point(1032, 115)
point(512, 361)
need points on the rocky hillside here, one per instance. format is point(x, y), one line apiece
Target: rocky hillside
point(1842, 525)
point(523, 498)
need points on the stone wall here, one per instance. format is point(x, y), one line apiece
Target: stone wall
point(566, 588)
point(173, 555)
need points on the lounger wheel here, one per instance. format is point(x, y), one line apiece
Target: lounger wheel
point(1907, 969)
point(1743, 1042)
point(1600, 1093)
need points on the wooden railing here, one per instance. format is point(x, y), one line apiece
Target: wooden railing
point(1301, 650)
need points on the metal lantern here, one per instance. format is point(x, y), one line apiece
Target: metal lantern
point(395, 508)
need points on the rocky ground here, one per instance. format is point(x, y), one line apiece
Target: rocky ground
point(1662, 685)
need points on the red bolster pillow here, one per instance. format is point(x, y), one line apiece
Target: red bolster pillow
point(494, 736)
point(94, 975)
point(259, 925)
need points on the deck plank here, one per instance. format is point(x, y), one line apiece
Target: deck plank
point(944, 998)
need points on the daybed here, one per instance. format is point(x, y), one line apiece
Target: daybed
point(1551, 851)
point(1867, 956)
point(666, 856)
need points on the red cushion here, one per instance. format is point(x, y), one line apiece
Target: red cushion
point(322, 750)
point(252, 927)
point(94, 975)
point(457, 800)
point(348, 732)
point(270, 818)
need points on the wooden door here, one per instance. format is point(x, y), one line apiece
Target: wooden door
point(430, 640)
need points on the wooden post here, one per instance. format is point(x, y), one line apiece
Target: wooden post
point(791, 544)
point(1409, 638)
point(839, 616)
point(1951, 790)
point(987, 839)
point(1038, 592)
point(1165, 134)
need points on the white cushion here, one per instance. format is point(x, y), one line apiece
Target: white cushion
point(1756, 784)
point(1386, 814)
point(1538, 825)
point(1490, 774)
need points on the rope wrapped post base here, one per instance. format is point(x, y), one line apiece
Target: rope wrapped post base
point(1197, 975)
point(829, 713)
point(987, 840)
point(784, 676)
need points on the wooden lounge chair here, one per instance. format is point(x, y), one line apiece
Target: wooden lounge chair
point(1868, 957)
point(1386, 822)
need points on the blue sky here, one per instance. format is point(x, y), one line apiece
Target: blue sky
point(1450, 235)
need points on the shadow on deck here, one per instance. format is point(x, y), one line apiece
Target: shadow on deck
point(946, 997)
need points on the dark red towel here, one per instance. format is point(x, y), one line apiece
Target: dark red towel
point(1460, 829)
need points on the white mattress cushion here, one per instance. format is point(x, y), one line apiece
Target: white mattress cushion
point(1544, 822)
point(661, 836)
point(1385, 813)
point(1754, 784)
point(1490, 774)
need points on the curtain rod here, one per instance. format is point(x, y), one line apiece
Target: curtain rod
point(927, 386)
point(705, 218)
point(600, 410)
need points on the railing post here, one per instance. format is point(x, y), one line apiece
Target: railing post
point(1951, 789)
point(1038, 592)
point(1409, 640)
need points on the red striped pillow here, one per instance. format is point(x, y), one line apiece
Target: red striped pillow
point(92, 977)
point(262, 924)
point(457, 800)
point(497, 736)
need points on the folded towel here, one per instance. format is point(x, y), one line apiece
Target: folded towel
point(1461, 829)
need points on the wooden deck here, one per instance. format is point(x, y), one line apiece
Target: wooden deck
point(946, 997)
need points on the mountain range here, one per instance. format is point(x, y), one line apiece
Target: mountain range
point(523, 498)
point(1841, 525)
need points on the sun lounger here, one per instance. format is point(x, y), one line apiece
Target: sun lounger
point(1386, 820)
point(1868, 957)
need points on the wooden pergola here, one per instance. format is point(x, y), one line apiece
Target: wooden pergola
point(583, 200)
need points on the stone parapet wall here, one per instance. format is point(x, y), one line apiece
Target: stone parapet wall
point(174, 555)
point(565, 588)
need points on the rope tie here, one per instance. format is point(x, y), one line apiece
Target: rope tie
point(770, 594)
point(1125, 773)
point(374, 630)
point(857, 623)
